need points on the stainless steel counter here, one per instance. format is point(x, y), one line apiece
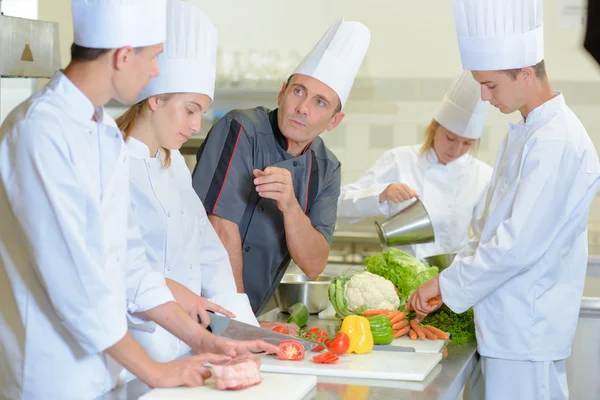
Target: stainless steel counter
point(444, 382)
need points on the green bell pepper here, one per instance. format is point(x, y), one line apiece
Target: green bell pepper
point(381, 328)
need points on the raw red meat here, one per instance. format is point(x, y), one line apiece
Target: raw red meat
point(236, 374)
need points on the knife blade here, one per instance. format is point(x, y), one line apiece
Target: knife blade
point(394, 348)
point(226, 327)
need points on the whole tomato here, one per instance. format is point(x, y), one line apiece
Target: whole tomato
point(281, 329)
point(339, 345)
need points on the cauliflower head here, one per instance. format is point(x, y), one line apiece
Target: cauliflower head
point(372, 291)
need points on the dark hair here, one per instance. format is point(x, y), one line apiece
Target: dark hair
point(539, 68)
point(339, 105)
point(80, 53)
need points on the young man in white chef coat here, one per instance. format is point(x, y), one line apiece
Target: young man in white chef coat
point(67, 276)
point(524, 274)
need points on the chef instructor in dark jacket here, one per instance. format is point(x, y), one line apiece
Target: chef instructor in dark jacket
point(267, 180)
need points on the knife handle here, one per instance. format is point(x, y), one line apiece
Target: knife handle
point(208, 328)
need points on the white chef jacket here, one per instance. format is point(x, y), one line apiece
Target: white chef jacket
point(526, 271)
point(181, 243)
point(453, 194)
point(64, 286)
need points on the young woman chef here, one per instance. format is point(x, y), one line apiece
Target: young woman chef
point(450, 182)
point(180, 241)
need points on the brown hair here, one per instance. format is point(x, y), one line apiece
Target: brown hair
point(430, 138)
point(128, 119)
point(539, 68)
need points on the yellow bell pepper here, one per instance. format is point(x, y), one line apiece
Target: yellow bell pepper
point(359, 331)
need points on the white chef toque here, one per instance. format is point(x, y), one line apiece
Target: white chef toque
point(462, 111)
point(189, 58)
point(112, 24)
point(499, 34)
point(335, 60)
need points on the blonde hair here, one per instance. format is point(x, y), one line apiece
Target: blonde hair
point(127, 121)
point(430, 138)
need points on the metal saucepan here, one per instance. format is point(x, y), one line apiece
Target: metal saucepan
point(442, 261)
point(299, 288)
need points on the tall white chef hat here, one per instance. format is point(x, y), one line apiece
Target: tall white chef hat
point(335, 60)
point(112, 24)
point(189, 58)
point(462, 112)
point(499, 34)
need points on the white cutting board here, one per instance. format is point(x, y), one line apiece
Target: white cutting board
point(272, 387)
point(420, 345)
point(389, 365)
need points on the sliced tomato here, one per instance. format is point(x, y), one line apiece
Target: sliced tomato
point(281, 329)
point(317, 335)
point(339, 345)
point(325, 358)
point(290, 350)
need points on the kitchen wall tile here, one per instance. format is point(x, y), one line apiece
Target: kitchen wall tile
point(381, 136)
point(336, 138)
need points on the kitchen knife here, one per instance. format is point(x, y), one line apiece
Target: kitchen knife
point(394, 348)
point(231, 329)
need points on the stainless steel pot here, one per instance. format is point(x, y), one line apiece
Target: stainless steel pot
point(442, 261)
point(299, 288)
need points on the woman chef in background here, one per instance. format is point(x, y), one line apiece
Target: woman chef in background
point(180, 241)
point(450, 182)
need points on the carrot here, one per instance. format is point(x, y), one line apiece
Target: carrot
point(434, 301)
point(372, 313)
point(391, 314)
point(401, 332)
point(412, 334)
point(417, 328)
point(399, 317)
point(430, 335)
point(439, 333)
point(400, 325)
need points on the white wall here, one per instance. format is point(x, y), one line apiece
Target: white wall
point(409, 38)
point(59, 11)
